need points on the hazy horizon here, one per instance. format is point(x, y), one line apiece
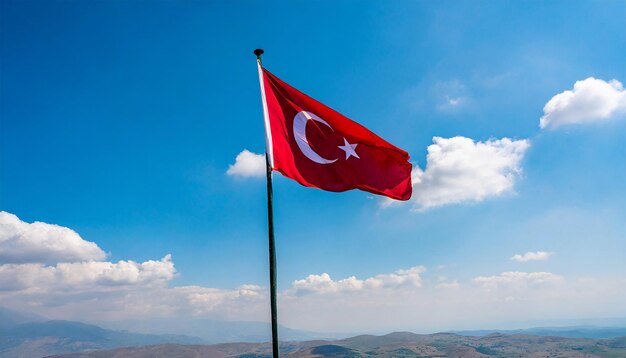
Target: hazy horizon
point(211, 330)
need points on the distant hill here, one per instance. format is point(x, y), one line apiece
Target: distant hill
point(28, 335)
point(219, 331)
point(10, 318)
point(25, 335)
point(394, 345)
point(570, 332)
point(37, 339)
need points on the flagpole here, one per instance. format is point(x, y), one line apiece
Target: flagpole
point(270, 210)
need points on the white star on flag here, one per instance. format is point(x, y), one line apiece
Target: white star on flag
point(349, 149)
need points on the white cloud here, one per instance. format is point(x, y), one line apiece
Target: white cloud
point(532, 256)
point(247, 164)
point(591, 100)
point(60, 275)
point(517, 279)
point(403, 299)
point(21, 242)
point(460, 169)
point(243, 302)
point(322, 284)
point(84, 276)
point(444, 284)
point(119, 291)
point(398, 279)
point(443, 304)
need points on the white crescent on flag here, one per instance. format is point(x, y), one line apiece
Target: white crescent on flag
point(299, 132)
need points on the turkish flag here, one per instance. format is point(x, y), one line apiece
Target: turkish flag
point(319, 147)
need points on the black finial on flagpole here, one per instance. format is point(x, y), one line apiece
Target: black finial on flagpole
point(258, 52)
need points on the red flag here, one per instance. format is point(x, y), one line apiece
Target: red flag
point(319, 147)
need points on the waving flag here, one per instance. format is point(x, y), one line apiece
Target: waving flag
point(319, 147)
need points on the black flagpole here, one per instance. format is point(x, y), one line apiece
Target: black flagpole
point(270, 221)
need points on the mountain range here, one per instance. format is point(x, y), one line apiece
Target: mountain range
point(396, 345)
point(25, 335)
point(569, 332)
point(212, 331)
point(28, 335)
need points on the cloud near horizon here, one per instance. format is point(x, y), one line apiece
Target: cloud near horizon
point(62, 275)
point(324, 284)
point(516, 279)
point(532, 256)
point(403, 299)
point(85, 276)
point(591, 100)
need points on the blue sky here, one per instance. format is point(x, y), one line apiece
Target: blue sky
point(119, 121)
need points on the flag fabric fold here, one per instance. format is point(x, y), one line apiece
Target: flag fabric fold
point(319, 147)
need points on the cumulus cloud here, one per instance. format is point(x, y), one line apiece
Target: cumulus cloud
point(444, 303)
point(84, 276)
point(21, 242)
point(517, 279)
point(403, 299)
point(120, 291)
point(322, 284)
point(532, 256)
point(591, 100)
point(460, 169)
point(51, 270)
point(247, 165)
point(50, 265)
